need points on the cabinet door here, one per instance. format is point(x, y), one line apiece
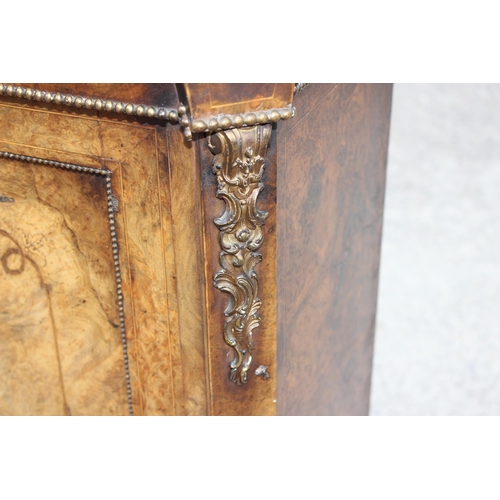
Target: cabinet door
point(85, 236)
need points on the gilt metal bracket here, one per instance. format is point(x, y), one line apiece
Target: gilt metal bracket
point(239, 166)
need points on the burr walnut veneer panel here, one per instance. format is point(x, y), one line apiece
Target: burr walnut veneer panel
point(59, 218)
point(60, 339)
point(331, 180)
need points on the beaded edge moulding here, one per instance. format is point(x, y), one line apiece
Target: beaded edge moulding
point(179, 115)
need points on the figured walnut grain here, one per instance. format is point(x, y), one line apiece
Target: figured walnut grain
point(331, 178)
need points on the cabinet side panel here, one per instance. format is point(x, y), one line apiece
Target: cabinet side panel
point(331, 179)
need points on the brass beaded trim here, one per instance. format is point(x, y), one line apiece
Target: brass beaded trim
point(90, 103)
point(215, 124)
point(226, 122)
point(112, 207)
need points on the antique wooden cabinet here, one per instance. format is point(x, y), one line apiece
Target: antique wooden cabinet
point(189, 249)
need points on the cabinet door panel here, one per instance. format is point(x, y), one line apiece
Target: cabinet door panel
point(97, 280)
point(60, 346)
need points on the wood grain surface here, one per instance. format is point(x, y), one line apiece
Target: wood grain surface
point(323, 187)
point(136, 155)
point(185, 195)
point(331, 178)
point(144, 232)
point(59, 334)
point(208, 99)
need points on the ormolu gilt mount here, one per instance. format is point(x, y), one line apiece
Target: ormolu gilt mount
point(239, 166)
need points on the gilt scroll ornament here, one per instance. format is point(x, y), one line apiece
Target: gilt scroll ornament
point(239, 166)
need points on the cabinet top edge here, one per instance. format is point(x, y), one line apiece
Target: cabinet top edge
point(197, 107)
